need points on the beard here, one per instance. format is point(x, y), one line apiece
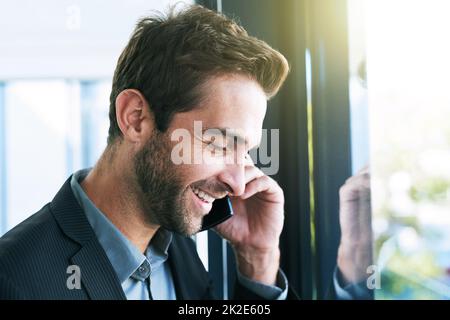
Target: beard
point(162, 193)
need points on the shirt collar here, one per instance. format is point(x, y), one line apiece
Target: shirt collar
point(123, 255)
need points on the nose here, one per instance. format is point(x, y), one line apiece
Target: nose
point(234, 177)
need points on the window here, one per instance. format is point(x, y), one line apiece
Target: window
point(368, 85)
point(46, 125)
point(409, 105)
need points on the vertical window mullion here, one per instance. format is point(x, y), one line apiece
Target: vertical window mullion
point(331, 128)
point(215, 260)
point(86, 93)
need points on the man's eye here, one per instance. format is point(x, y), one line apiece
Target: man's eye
point(219, 146)
point(215, 145)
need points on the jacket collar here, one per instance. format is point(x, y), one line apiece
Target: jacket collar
point(97, 274)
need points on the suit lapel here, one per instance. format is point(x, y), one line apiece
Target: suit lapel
point(97, 274)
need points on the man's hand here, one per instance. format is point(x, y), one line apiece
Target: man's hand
point(355, 249)
point(255, 229)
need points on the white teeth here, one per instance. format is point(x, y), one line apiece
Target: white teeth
point(202, 195)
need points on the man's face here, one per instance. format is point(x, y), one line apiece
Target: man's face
point(178, 196)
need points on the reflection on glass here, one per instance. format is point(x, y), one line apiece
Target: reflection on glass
point(409, 103)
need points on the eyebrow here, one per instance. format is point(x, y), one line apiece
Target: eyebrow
point(231, 132)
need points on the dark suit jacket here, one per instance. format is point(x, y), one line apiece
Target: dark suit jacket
point(35, 255)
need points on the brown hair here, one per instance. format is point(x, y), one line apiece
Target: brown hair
point(169, 57)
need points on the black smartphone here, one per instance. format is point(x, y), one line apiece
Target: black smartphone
point(221, 210)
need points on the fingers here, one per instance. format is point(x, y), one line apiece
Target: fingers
point(255, 186)
point(361, 178)
point(256, 181)
point(356, 187)
point(360, 184)
point(264, 184)
point(252, 172)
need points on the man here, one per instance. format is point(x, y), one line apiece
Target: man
point(121, 230)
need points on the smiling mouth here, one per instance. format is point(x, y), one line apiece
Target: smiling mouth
point(203, 195)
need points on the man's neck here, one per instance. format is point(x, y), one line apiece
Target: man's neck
point(109, 191)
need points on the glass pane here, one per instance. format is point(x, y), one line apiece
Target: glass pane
point(409, 102)
point(70, 115)
point(95, 120)
point(41, 122)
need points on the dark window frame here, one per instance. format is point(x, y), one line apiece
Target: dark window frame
point(313, 165)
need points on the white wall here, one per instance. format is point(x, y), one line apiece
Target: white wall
point(67, 38)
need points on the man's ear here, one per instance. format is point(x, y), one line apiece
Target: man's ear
point(133, 116)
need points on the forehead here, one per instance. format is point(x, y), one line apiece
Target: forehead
point(232, 101)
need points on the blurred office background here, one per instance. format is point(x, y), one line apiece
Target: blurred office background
point(368, 85)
